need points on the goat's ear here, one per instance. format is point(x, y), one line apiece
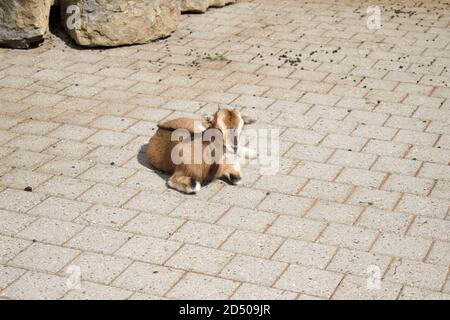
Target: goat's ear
point(248, 120)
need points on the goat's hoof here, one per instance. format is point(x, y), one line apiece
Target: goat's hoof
point(193, 187)
point(235, 180)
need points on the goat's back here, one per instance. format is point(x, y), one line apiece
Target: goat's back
point(159, 151)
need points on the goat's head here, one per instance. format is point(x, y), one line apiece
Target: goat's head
point(230, 122)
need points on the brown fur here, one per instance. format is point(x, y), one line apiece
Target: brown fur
point(186, 176)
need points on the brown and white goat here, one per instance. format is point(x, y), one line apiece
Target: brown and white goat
point(189, 175)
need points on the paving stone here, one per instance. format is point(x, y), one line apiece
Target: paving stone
point(107, 195)
point(94, 291)
point(109, 138)
point(26, 160)
point(254, 292)
point(352, 159)
point(423, 206)
point(20, 179)
point(384, 220)
point(326, 190)
point(297, 228)
point(435, 171)
point(37, 286)
point(279, 203)
point(252, 243)
point(199, 259)
point(334, 212)
point(108, 155)
point(106, 216)
point(253, 270)
point(429, 154)
point(247, 219)
point(280, 183)
point(148, 249)
point(98, 267)
point(439, 254)
point(411, 293)
point(161, 204)
point(64, 187)
point(199, 210)
point(373, 197)
point(417, 274)
point(430, 228)
point(202, 234)
point(71, 132)
point(408, 184)
point(441, 190)
point(344, 142)
point(148, 278)
point(99, 240)
point(239, 196)
point(358, 262)
point(359, 177)
point(358, 288)
point(20, 201)
point(309, 153)
point(401, 246)
point(310, 281)
point(305, 253)
point(31, 143)
point(59, 208)
point(196, 286)
point(8, 275)
point(70, 149)
point(43, 257)
point(10, 247)
point(146, 180)
point(348, 236)
point(153, 225)
point(105, 174)
point(316, 170)
point(50, 231)
point(11, 223)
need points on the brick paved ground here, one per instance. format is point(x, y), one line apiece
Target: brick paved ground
point(364, 182)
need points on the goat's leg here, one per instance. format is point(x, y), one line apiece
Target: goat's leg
point(232, 172)
point(183, 183)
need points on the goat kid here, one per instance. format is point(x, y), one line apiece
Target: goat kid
point(222, 135)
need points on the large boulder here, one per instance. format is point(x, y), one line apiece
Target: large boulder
point(23, 23)
point(119, 22)
point(201, 5)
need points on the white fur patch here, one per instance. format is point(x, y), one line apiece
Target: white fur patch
point(197, 187)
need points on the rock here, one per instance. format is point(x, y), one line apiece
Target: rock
point(220, 3)
point(201, 5)
point(194, 5)
point(119, 22)
point(23, 23)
